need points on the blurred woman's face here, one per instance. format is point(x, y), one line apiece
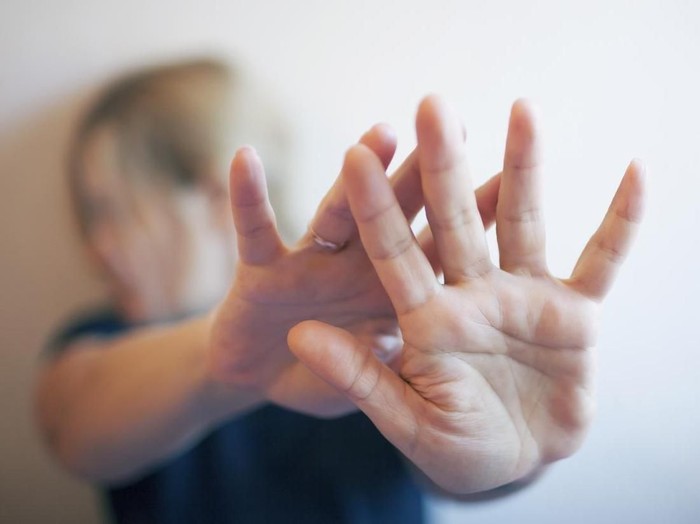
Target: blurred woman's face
point(165, 251)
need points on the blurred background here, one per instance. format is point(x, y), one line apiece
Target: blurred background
point(613, 80)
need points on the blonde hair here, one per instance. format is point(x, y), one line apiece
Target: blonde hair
point(176, 125)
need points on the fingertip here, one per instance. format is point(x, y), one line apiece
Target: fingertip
point(523, 147)
point(431, 102)
point(245, 164)
point(637, 169)
point(432, 110)
point(633, 184)
point(522, 104)
point(362, 180)
point(247, 149)
point(298, 335)
point(326, 350)
point(440, 133)
point(247, 177)
point(358, 158)
point(524, 114)
point(495, 181)
point(244, 156)
point(311, 333)
point(353, 155)
point(525, 105)
point(382, 130)
point(381, 138)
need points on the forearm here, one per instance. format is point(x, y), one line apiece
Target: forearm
point(110, 413)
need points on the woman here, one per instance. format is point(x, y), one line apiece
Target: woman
point(129, 399)
point(489, 381)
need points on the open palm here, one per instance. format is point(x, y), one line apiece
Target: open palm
point(276, 287)
point(495, 376)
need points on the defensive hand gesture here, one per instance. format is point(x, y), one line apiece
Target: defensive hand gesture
point(494, 379)
point(325, 276)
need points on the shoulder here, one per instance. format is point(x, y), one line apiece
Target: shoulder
point(102, 321)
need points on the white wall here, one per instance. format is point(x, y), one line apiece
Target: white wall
point(614, 80)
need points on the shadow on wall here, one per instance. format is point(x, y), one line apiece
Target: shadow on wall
point(44, 278)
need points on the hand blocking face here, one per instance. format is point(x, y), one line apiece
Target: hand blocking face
point(495, 376)
point(326, 276)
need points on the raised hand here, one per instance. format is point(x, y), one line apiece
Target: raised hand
point(326, 276)
point(495, 376)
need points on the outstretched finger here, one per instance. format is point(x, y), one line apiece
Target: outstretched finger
point(450, 203)
point(607, 249)
point(333, 222)
point(486, 201)
point(339, 359)
point(386, 236)
point(254, 219)
point(520, 223)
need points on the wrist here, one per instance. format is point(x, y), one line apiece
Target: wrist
point(218, 400)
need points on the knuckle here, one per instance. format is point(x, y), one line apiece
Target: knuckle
point(339, 212)
point(612, 252)
point(365, 382)
point(525, 216)
point(396, 249)
point(462, 218)
point(257, 230)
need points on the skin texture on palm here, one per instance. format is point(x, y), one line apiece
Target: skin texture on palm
point(276, 287)
point(495, 376)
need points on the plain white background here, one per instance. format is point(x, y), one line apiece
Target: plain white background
point(613, 80)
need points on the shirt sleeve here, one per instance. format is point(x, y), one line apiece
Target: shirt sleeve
point(102, 322)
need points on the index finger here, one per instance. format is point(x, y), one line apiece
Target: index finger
point(333, 221)
point(401, 265)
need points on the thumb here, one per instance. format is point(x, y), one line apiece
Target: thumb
point(338, 358)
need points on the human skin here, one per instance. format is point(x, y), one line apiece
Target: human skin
point(112, 409)
point(495, 377)
point(307, 281)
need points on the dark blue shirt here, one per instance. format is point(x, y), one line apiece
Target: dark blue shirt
point(269, 466)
